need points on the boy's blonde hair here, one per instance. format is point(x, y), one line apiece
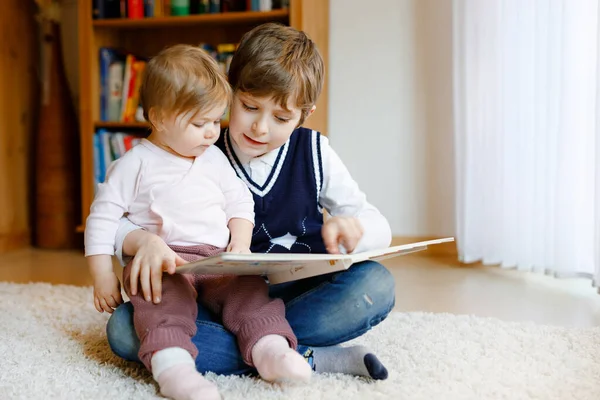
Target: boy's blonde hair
point(183, 80)
point(278, 61)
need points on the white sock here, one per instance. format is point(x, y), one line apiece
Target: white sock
point(276, 361)
point(175, 371)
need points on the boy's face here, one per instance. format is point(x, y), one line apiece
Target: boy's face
point(258, 125)
point(191, 139)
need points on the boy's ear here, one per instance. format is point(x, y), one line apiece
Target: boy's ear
point(305, 117)
point(309, 113)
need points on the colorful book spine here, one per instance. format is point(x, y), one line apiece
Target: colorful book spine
point(180, 7)
point(135, 9)
point(111, 80)
point(104, 9)
point(149, 7)
point(214, 6)
point(134, 92)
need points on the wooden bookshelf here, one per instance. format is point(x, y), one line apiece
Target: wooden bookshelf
point(204, 19)
point(146, 37)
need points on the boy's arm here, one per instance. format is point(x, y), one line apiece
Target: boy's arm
point(341, 197)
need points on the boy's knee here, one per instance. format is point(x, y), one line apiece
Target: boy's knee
point(375, 287)
point(376, 281)
point(121, 335)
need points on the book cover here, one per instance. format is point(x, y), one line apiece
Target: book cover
point(115, 87)
point(105, 56)
point(98, 161)
point(284, 267)
point(135, 9)
point(149, 8)
point(127, 74)
point(106, 9)
point(103, 159)
point(134, 90)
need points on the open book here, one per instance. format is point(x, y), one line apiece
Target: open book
point(284, 267)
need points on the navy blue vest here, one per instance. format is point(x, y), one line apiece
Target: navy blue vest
point(288, 216)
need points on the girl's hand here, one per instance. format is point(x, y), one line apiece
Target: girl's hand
point(241, 248)
point(241, 235)
point(153, 257)
point(345, 231)
point(107, 292)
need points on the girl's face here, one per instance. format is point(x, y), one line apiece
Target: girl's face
point(189, 138)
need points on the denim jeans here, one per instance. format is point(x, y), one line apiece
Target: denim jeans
point(323, 311)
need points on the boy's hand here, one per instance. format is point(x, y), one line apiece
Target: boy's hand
point(345, 231)
point(107, 292)
point(152, 258)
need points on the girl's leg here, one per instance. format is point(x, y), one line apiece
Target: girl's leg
point(219, 352)
point(170, 323)
point(264, 336)
point(323, 311)
point(165, 331)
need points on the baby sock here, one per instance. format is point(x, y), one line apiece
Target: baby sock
point(276, 361)
point(357, 360)
point(175, 371)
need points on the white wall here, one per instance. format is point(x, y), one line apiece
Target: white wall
point(390, 107)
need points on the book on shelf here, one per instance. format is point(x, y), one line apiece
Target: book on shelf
point(109, 146)
point(120, 80)
point(284, 267)
point(121, 72)
point(136, 9)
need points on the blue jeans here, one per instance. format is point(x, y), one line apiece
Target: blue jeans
point(323, 311)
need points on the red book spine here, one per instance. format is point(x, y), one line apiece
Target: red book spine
point(135, 9)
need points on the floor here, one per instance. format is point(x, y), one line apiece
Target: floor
point(428, 284)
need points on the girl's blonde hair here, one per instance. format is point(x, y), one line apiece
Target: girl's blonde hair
point(183, 80)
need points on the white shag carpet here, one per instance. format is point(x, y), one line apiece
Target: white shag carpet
point(53, 346)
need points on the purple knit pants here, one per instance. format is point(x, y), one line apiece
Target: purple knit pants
point(242, 301)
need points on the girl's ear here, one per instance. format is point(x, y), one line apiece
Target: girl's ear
point(155, 119)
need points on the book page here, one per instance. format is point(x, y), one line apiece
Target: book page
point(267, 264)
point(283, 267)
point(395, 251)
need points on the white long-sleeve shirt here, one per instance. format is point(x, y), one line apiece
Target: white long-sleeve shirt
point(184, 202)
point(340, 195)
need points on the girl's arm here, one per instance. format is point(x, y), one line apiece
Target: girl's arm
point(112, 199)
point(241, 235)
point(239, 206)
point(150, 253)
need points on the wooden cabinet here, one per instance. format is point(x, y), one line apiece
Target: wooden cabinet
point(18, 104)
